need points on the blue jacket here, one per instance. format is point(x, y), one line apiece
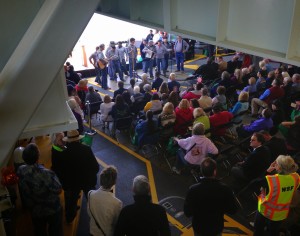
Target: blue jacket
point(143, 136)
point(260, 124)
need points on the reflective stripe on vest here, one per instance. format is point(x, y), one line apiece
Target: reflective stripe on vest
point(275, 206)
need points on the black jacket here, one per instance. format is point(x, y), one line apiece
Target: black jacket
point(81, 167)
point(143, 218)
point(207, 202)
point(256, 163)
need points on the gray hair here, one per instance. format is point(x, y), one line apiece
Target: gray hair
point(198, 129)
point(136, 89)
point(286, 164)
point(147, 87)
point(141, 185)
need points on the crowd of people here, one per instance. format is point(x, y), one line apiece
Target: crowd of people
point(196, 117)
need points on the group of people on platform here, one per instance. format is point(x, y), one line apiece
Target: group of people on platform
point(154, 50)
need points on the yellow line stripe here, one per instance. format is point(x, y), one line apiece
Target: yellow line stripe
point(197, 57)
point(102, 163)
point(238, 225)
point(96, 84)
point(193, 67)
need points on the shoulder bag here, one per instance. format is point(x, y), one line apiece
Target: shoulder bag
point(99, 227)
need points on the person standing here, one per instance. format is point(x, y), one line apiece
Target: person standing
point(80, 173)
point(150, 51)
point(94, 61)
point(122, 53)
point(180, 47)
point(276, 195)
point(40, 189)
point(132, 55)
point(168, 53)
point(102, 65)
point(150, 36)
point(160, 57)
point(143, 54)
point(112, 75)
point(142, 217)
point(207, 202)
point(114, 62)
point(57, 158)
point(103, 207)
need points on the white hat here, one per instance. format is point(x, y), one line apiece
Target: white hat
point(72, 136)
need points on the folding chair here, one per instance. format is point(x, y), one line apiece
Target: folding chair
point(121, 124)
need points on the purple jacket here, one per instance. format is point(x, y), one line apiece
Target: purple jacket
point(258, 125)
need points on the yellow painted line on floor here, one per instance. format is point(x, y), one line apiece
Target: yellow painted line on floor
point(97, 85)
point(197, 57)
point(236, 224)
point(193, 67)
point(102, 163)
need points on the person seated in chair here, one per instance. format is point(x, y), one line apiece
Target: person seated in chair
point(120, 109)
point(94, 99)
point(120, 90)
point(105, 109)
point(194, 93)
point(276, 145)
point(255, 164)
point(293, 135)
point(201, 117)
point(154, 105)
point(241, 106)
point(146, 130)
point(218, 119)
point(184, 116)
point(157, 82)
point(193, 150)
point(220, 98)
point(263, 123)
point(166, 120)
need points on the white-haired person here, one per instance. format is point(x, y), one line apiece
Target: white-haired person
point(145, 81)
point(276, 195)
point(103, 207)
point(201, 117)
point(142, 217)
point(173, 85)
point(194, 150)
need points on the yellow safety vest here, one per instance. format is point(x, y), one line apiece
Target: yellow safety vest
point(275, 206)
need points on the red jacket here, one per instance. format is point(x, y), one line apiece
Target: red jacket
point(190, 95)
point(275, 93)
point(184, 117)
point(218, 119)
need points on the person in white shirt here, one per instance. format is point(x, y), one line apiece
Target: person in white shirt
point(103, 207)
point(105, 108)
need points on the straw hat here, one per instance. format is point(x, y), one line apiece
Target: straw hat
point(72, 136)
